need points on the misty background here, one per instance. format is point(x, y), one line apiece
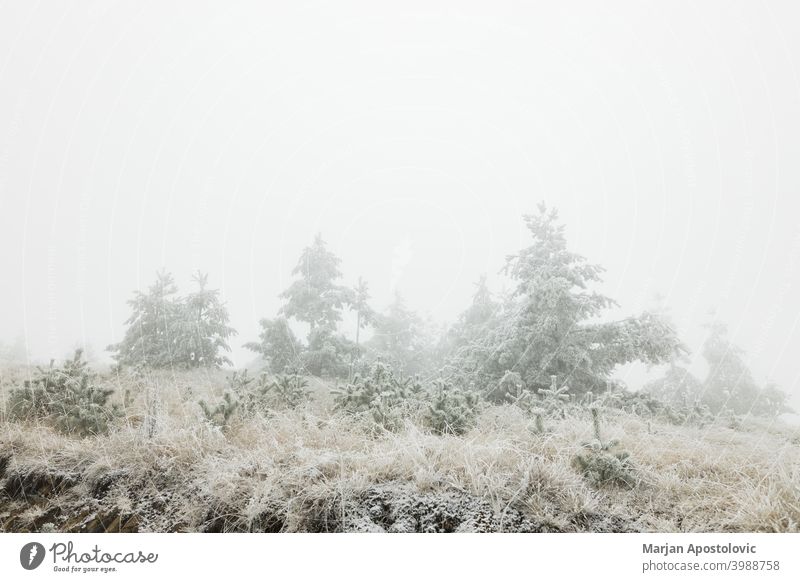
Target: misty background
point(136, 136)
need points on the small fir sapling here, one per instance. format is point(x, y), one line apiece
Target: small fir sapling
point(290, 390)
point(222, 413)
point(602, 464)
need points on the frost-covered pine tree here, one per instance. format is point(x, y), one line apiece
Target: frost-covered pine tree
point(678, 386)
point(402, 338)
point(550, 323)
point(359, 303)
point(317, 298)
point(730, 384)
point(277, 345)
point(202, 328)
point(150, 337)
point(473, 322)
point(166, 330)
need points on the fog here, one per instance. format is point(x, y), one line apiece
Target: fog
point(136, 136)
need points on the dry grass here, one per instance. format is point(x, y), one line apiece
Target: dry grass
point(311, 469)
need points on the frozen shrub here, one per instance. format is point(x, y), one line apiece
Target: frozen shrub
point(548, 402)
point(246, 391)
point(379, 394)
point(245, 394)
point(730, 418)
point(694, 414)
point(601, 465)
point(68, 397)
point(450, 410)
point(222, 413)
point(678, 412)
point(387, 400)
point(510, 388)
point(289, 390)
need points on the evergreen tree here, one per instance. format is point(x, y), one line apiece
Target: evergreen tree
point(150, 337)
point(677, 387)
point(546, 327)
point(401, 337)
point(730, 384)
point(359, 302)
point(316, 297)
point(278, 346)
point(203, 329)
point(472, 323)
point(328, 353)
point(166, 330)
point(772, 401)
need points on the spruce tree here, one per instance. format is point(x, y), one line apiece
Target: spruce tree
point(166, 330)
point(150, 338)
point(677, 387)
point(316, 297)
point(203, 330)
point(729, 384)
point(402, 338)
point(359, 302)
point(472, 323)
point(278, 346)
point(548, 325)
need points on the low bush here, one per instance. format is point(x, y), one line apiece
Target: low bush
point(450, 410)
point(222, 412)
point(66, 396)
point(380, 395)
point(288, 390)
point(247, 396)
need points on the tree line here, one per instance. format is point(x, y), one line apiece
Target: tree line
point(547, 326)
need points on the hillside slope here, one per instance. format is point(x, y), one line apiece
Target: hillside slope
point(311, 469)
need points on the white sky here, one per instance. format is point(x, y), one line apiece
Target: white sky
point(413, 135)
